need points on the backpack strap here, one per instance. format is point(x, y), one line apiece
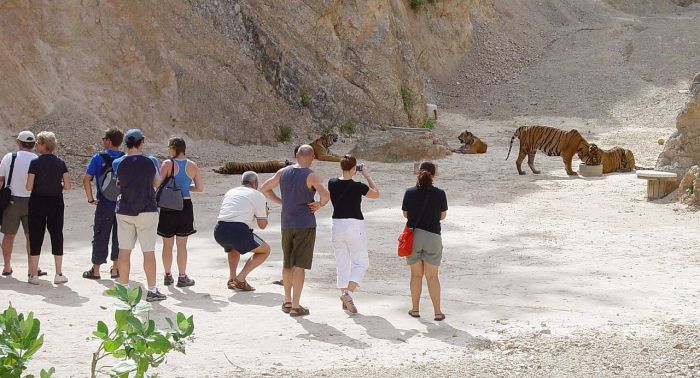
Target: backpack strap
point(12, 168)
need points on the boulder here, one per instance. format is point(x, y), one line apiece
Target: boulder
point(401, 146)
point(682, 149)
point(689, 188)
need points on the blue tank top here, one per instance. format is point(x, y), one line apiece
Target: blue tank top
point(296, 197)
point(182, 178)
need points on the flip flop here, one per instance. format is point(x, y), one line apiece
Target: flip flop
point(299, 311)
point(439, 317)
point(286, 307)
point(41, 273)
point(4, 273)
point(112, 274)
point(414, 313)
point(90, 275)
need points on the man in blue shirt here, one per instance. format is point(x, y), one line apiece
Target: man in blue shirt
point(137, 211)
point(105, 223)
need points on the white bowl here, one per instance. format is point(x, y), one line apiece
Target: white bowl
point(586, 170)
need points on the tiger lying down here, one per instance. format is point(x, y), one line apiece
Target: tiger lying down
point(237, 167)
point(471, 144)
point(321, 146)
point(616, 159)
point(551, 141)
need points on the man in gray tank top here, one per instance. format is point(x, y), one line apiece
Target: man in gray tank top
point(298, 185)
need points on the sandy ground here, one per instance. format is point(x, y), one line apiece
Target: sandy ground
point(542, 275)
point(566, 264)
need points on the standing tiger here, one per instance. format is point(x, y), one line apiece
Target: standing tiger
point(238, 167)
point(321, 146)
point(550, 140)
point(616, 159)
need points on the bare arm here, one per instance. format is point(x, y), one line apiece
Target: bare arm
point(196, 177)
point(443, 214)
point(66, 181)
point(314, 180)
point(87, 186)
point(269, 185)
point(165, 169)
point(262, 223)
point(30, 182)
point(373, 192)
point(405, 214)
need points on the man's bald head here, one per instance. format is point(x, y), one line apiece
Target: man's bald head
point(305, 155)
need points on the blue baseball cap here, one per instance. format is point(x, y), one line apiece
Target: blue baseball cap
point(133, 135)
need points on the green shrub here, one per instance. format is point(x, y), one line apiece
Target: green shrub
point(285, 133)
point(348, 128)
point(429, 123)
point(136, 344)
point(406, 98)
point(417, 4)
point(304, 98)
point(19, 341)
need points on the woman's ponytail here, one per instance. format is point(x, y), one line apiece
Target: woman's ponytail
point(425, 175)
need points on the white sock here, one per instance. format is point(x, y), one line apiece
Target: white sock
point(153, 289)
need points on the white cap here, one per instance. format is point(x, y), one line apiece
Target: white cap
point(26, 136)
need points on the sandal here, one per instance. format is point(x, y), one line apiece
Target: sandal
point(439, 317)
point(414, 313)
point(242, 285)
point(286, 307)
point(90, 275)
point(231, 284)
point(41, 273)
point(114, 273)
point(8, 273)
point(299, 311)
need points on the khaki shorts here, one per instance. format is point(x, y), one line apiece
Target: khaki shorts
point(427, 246)
point(15, 213)
point(142, 227)
point(298, 247)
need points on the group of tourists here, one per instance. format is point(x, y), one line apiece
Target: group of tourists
point(127, 211)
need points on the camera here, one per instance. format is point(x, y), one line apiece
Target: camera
point(359, 167)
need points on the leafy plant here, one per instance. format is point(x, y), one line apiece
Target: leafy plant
point(689, 190)
point(429, 123)
point(417, 4)
point(406, 98)
point(135, 343)
point(285, 133)
point(304, 98)
point(348, 128)
point(19, 341)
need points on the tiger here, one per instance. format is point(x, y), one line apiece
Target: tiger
point(321, 146)
point(237, 167)
point(550, 140)
point(616, 159)
point(471, 144)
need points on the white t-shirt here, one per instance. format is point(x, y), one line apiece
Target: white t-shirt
point(243, 204)
point(19, 173)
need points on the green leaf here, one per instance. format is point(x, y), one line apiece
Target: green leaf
point(136, 323)
point(141, 307)
point(160, 344)
point(120, 317)
point(47, 374)
point(140, 346)
point(151, 326)
point(112, 345)
point(180, 317)
point(34, 348)
point(102, 327)
point(121, 292)
point(126, 366)
point(134, 296)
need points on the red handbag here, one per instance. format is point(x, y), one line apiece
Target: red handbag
point(406, 236)
point(406, 242)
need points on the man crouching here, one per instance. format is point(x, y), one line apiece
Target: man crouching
point(241, 207)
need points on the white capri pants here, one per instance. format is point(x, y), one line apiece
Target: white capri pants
point(349, 241)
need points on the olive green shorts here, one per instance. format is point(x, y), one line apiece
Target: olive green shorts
point(427, 246)
point(298, 247)
point(15, 213)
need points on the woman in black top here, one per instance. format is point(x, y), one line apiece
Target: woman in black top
point(348, 234)
point(424, 206)
point(48, 178)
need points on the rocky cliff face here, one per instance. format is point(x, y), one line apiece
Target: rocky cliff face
point(682, 149)
point(236, 70)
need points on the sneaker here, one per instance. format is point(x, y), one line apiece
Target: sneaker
point(33, 280)
point(60, 279)
point(168, 280)
point(154, 296)
point(184, 281)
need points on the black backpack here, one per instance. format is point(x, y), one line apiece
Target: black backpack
point(107, 180)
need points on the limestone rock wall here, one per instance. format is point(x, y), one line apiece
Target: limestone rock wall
point(233, 69)
point(682, 149)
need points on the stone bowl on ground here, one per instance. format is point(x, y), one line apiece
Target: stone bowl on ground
point(586, 170)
